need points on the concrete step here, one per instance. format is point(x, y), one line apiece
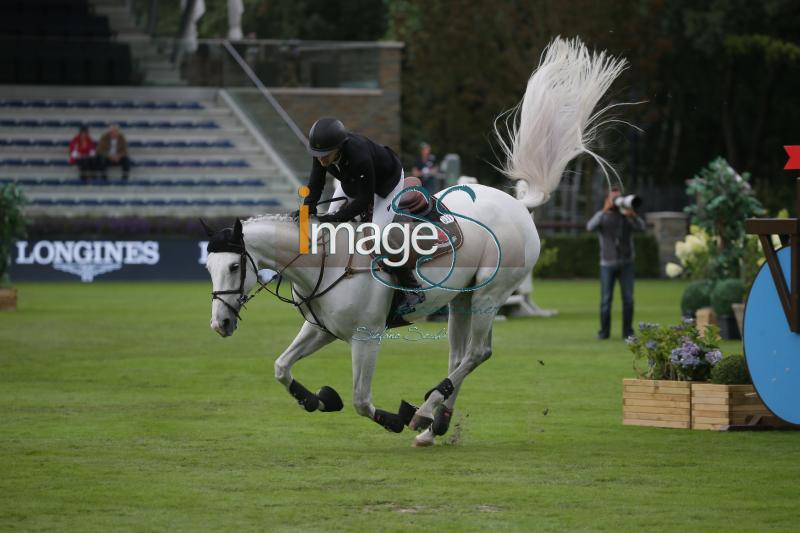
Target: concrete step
point(240, 141)
point(230, 155)
point(209, 112)
point(150, 133)
point(220, 116)
point(240, 212)
point(119, 18)
point(41, 152)
point(144, 172)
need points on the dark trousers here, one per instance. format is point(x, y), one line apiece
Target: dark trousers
point(104, 162)
point(608, 275)
point(86, 165)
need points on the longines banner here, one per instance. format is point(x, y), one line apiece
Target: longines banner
point(90, 261)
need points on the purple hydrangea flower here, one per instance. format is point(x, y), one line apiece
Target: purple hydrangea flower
point(687, 355)
point(651, 345)
point(633, 339)
point(713, 357)
point(644, 326)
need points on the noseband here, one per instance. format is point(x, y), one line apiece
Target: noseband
point(243, 298)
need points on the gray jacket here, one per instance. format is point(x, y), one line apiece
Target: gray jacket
point(615, 232)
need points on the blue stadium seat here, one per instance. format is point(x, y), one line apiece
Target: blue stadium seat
point(30, 123)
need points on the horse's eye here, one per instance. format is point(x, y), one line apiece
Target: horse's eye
point(234, 267)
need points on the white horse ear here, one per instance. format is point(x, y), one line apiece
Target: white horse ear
point(237, 231)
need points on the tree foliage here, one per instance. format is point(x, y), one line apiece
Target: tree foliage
point(12, 225)
point(712, 76)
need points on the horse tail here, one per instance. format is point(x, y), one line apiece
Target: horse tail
point(554, 121)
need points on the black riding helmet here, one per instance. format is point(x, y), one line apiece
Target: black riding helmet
point(326, 135)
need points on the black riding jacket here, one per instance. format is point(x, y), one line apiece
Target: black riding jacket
point(364, 169)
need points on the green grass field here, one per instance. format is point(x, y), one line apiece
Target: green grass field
point(122, 410)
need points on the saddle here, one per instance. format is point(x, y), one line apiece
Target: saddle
point(415, 203)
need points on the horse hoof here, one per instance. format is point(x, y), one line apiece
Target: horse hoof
point(331, 401)
point(420, 422)
point(425, 443)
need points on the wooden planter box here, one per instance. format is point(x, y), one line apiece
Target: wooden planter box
point(8, 299)
point(688, 404)
point(719, 406)
point(657, 403)
point(703, 317)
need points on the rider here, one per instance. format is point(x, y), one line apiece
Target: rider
point(368, 174)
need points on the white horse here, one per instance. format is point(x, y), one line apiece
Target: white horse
point(341, 298)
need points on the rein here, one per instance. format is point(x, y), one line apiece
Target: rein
point(245, 257)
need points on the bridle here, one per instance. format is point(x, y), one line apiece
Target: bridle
point(245, 258)
point(243, 298)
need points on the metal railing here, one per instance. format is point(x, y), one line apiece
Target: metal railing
point(265, 92)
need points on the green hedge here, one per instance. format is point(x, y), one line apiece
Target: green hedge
point(579, 256)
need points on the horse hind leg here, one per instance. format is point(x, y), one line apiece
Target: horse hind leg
point(478, 350)
point(458, 325)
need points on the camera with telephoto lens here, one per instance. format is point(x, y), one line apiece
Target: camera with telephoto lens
point(630, 201)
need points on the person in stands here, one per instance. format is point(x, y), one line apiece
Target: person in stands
point(82, 153)
point(113, 150)
point(426, 169)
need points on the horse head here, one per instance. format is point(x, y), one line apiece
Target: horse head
point(233, 275)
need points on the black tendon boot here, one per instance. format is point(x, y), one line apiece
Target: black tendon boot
point(410, 286)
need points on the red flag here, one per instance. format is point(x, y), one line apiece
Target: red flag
point(794, 158)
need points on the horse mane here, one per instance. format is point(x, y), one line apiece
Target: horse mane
point(270, 217)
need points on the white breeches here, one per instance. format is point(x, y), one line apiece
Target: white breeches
point(382, 212)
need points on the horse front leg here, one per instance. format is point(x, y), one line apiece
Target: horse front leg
point(365, 354)
point(308, 340)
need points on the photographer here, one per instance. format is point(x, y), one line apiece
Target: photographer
point(615, 225)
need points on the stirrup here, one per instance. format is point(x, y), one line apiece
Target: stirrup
point(406, 307)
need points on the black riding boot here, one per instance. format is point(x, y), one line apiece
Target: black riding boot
point(410, 286)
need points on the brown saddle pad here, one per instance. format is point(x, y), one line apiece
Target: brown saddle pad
point(447, 226)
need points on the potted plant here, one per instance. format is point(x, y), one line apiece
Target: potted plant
point(694, 255)
point(730, 399)
point(667, 360)
point(723, 199)
point(725, 294)
point(12, 226)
